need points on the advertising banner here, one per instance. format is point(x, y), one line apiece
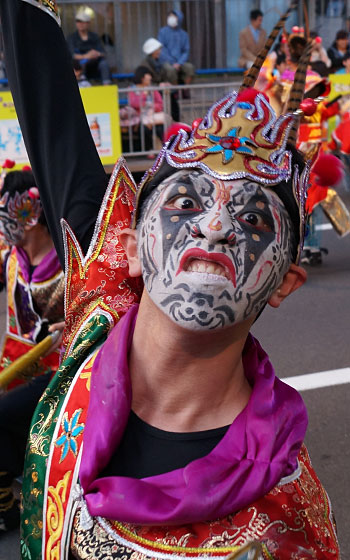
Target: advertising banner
point(101, 107)
point(340, 86)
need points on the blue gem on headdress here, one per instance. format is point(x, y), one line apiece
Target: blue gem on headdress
point(229, 145)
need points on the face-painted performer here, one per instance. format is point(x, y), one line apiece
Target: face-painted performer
point(212, 252)
point(19, 211)
point(172, 438)
point(33, 279)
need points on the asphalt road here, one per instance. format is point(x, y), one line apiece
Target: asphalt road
point(309, 334)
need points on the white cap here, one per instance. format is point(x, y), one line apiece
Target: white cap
point(151, 45)
point(85, 14)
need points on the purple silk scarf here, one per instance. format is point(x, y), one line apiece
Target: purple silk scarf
point(259, 448)
point(49, 266)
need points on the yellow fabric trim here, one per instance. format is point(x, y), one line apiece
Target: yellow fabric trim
point(170, 548)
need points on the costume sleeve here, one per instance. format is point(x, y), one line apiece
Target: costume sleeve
point(66, 165)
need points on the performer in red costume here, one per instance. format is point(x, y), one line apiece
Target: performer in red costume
point(173, 437)
point(312, 139)
point(31, 274)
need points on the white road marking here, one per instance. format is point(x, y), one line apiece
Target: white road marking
point(318, 380)
point(323, 227)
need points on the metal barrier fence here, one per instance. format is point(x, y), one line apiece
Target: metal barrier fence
point(143, 128)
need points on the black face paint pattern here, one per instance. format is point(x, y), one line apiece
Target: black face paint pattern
point(12, 231)
point(259, 253)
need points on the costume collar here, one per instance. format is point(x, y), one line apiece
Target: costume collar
point(260, 447)
point(48, 267)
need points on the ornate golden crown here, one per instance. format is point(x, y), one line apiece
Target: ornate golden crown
point(237, 139)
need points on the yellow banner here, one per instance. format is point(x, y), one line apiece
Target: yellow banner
point(340, 86)
point(101, 107)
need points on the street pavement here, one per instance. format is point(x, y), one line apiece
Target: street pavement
point(309, 333)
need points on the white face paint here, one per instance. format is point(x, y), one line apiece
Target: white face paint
point(212, 252)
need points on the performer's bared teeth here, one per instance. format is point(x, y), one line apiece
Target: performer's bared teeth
point(201, 265)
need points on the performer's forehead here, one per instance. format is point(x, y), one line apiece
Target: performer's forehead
point(205, 185)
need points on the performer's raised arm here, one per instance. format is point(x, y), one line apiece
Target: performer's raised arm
point(62, 153)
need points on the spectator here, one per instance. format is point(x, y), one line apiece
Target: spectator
point(338, 50)
point(251, 39)
point(87, 47)
point(280, 65)
point(346, 65)
point(175, 51)
point(152, 49)
point(149, 105)
point(319, 60)
point(79, 74)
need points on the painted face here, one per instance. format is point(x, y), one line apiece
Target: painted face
point(17, 212)
point(212, 252)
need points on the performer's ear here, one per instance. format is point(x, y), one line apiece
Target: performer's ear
point(292, 280)
point(128, 238)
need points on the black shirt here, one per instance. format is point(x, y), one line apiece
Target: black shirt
point(148, 451)
point(79, 46)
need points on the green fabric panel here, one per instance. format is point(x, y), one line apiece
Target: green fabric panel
point(41, 432)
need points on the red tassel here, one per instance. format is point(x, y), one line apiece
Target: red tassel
point(249, 95)
point(328, 170)
point(173, 129)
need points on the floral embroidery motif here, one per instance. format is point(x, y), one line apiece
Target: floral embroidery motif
point(21, 207)
point(230, 144)
point(71, 430)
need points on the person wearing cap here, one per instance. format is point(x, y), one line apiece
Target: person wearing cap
point(86, 47)
point(192, 447)
point(152, 48)
point(175, 50)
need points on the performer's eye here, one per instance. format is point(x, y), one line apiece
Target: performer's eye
point(183, 203)
point(256, 220)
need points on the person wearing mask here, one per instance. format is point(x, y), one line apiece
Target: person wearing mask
point(175, 50)
point(251, 39)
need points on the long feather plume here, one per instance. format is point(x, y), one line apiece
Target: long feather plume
point(297, 90)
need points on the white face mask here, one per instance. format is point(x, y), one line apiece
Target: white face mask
point(172, 20)
point(212, 252)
